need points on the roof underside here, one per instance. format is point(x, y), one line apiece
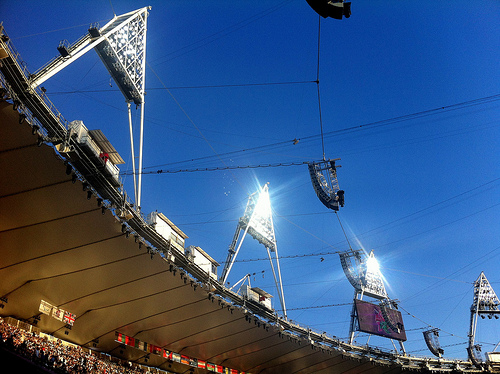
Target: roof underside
point(57, 246)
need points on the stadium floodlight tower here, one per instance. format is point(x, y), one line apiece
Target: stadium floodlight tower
point(121, 45)
point(363, 272)
point(486, 303)
point(258, 222)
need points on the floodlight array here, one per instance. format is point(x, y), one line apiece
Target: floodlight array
point(258, 222)
point(371, 279)
point(258, 218)
point(123, 52)
point(121, 45)
point(128, 42)
point(485, 301)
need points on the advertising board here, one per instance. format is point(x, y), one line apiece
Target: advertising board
point(372, 321)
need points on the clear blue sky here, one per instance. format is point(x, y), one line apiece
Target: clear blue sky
point(422, 191)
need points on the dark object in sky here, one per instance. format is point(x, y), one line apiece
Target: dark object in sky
point(431, 338)
point(329, 8)
point(324, 180)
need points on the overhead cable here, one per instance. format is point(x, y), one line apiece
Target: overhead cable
point(362, 127)
point(174, 171)
point(188, 87)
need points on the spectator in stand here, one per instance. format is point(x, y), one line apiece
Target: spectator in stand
point(56, 356)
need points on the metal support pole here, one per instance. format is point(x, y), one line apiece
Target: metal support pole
point(141, 140)
point(352, 327)
point(279, 284)
point(402, 348)
point(226, 272)
point(473, 324)
point(143, 94)
point(132, 149)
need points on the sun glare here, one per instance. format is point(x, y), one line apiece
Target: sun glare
point(372, 265)
point(263, 206)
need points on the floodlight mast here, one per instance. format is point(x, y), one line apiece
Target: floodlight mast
point(364, 275)
point(258, 222)
point(121, 45)
point(486, 303)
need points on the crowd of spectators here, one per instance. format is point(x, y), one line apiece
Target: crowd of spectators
point(58, 356)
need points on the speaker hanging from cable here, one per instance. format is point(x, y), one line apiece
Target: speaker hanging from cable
point(431, 338)
point(328, 8)
point(324, 180)
point(324, 173)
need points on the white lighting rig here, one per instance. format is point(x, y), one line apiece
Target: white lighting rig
point(121, 45)
point(363, 272)
point(257, 221)
point(485, 304)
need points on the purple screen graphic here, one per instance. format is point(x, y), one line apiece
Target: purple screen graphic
point(372, 321)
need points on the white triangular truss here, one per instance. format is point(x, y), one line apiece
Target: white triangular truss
point(259, 218)
point(123, 52)
point(485, 304)
point(257, 221)
point(124, 35)
point(485, 299)
point(121, 45)
point(362, 271)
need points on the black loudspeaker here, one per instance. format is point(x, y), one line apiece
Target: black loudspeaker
point(431, 338)
point(340, 195)
point(329, 8)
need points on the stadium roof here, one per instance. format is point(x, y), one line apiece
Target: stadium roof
point(57, 246)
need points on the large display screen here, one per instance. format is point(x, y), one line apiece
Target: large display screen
point(372, 321)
